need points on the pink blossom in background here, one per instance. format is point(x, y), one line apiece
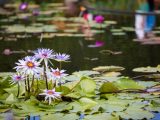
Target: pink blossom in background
point(99, 19)
point(7, 52)
point(99, 43)
point(23, 6)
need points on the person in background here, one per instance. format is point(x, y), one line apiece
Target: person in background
point(150, 19)
point(140, 19)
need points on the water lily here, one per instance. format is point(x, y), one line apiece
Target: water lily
point(17, 78)
point(23, 6)
point(99, 19)
point(51, 95)
point(44, 54)
point(61, 57)
point(28, 65)
point(57, 74)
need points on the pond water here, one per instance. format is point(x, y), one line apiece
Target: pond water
point(90, 45)
point(83, 56)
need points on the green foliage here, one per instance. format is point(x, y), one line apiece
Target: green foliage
point(108, 87)
point(127, 83)
point(97, 97)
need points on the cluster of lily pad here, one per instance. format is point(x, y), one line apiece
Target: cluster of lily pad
point(97, 94)
point(31, 69)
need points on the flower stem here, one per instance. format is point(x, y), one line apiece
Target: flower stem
point(28, 84)
point(18, 90)
point(37, 85)
point(25, 82)
point(45, 76)
point(32, 84)
point(60, 65)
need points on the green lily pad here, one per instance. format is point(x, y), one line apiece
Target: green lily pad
point(108, 87)
point(147, 69)
point(126, 83)
point(108, 68)
point(101, 116)
point(86, 73)
point(87, 103)
point(136, 114)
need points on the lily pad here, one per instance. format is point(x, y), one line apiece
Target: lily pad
point(126, 83)
point(108, 87)
point(136, 114)
point(147, 69)
point(108, 68)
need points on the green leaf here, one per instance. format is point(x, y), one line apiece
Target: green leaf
point(62, 106)
point(87, 103)
point(136, 114)
point(11, 99)
point(108, 87)
point(108, 68)
point(87, 86)
point(147, 69)
point(60, 116)
point(127, 83)
point(85, 73)
point(63, 89)
point(101, 116)
point(147, 84)
point(75, 95)
point(14, 89)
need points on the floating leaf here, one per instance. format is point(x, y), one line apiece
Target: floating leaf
point(111, 74)
point(85, 73)
point(108, 87)
point(147, 69)
point(127, 83)
point(87, 103)
point(101, 116)
point(108, 68)
point(136, 113)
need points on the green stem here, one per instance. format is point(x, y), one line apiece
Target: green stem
point(28, 82)
point(25, 82)
point(37, 85)
point(32, 84)
point(45, 76)
point(60, 65)
point(18, 90)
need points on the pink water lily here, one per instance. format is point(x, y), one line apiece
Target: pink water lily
point(51, 95)
point(99, 19)
point(57, 74)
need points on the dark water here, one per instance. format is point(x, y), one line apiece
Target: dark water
point(134, 54)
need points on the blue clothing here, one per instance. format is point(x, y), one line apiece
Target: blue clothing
point(150, 22)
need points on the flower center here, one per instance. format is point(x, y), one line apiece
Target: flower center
point(18, 77)
point(50, 92)
point(44, 55)
point(57, 73)
point(30, 64)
